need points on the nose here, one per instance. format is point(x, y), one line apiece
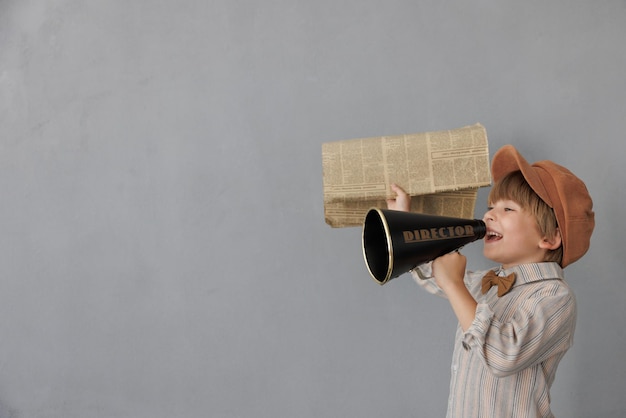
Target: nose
point(488, 216)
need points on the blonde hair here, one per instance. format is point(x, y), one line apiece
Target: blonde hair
point(514, 187)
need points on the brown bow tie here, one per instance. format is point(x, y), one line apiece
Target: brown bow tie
point(504, 283)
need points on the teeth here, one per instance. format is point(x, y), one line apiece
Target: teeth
point(494, 234)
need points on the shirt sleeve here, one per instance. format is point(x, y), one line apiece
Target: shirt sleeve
point(542, 326)
point(423, 276)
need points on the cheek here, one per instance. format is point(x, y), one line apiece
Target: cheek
point(530, 231)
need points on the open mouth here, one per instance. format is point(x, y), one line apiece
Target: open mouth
point(492, 236)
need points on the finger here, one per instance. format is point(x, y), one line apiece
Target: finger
point(399, 190)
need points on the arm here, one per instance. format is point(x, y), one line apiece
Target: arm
point(449, 270)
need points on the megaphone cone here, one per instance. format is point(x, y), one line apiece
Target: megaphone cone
point(395, 242)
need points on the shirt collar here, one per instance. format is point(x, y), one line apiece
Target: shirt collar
point(528, 273)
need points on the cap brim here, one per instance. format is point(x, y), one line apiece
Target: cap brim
point(507, 159)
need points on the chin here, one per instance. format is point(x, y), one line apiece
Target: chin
point(493, 257)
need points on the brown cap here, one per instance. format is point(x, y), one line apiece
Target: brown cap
point(565, 193)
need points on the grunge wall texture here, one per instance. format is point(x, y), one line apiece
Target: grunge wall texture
point(163, 251)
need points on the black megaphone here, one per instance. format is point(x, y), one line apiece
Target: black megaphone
point(395, 242)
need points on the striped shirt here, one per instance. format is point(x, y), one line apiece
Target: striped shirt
point(506, 361)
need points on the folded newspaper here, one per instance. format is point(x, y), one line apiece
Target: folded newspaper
point(441, 171)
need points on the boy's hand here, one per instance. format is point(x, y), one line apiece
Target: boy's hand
point(449, 270)
point(401, 202)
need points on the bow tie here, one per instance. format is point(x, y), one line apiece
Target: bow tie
point(504, 283)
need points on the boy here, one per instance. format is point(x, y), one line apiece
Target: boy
point(517, 322)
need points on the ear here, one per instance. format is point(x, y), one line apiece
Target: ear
point(551, 243)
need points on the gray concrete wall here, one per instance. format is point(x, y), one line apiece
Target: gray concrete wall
point(162, 238)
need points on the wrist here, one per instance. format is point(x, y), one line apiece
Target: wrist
point(449, 286)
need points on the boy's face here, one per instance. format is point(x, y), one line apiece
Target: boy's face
point(513, 235)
